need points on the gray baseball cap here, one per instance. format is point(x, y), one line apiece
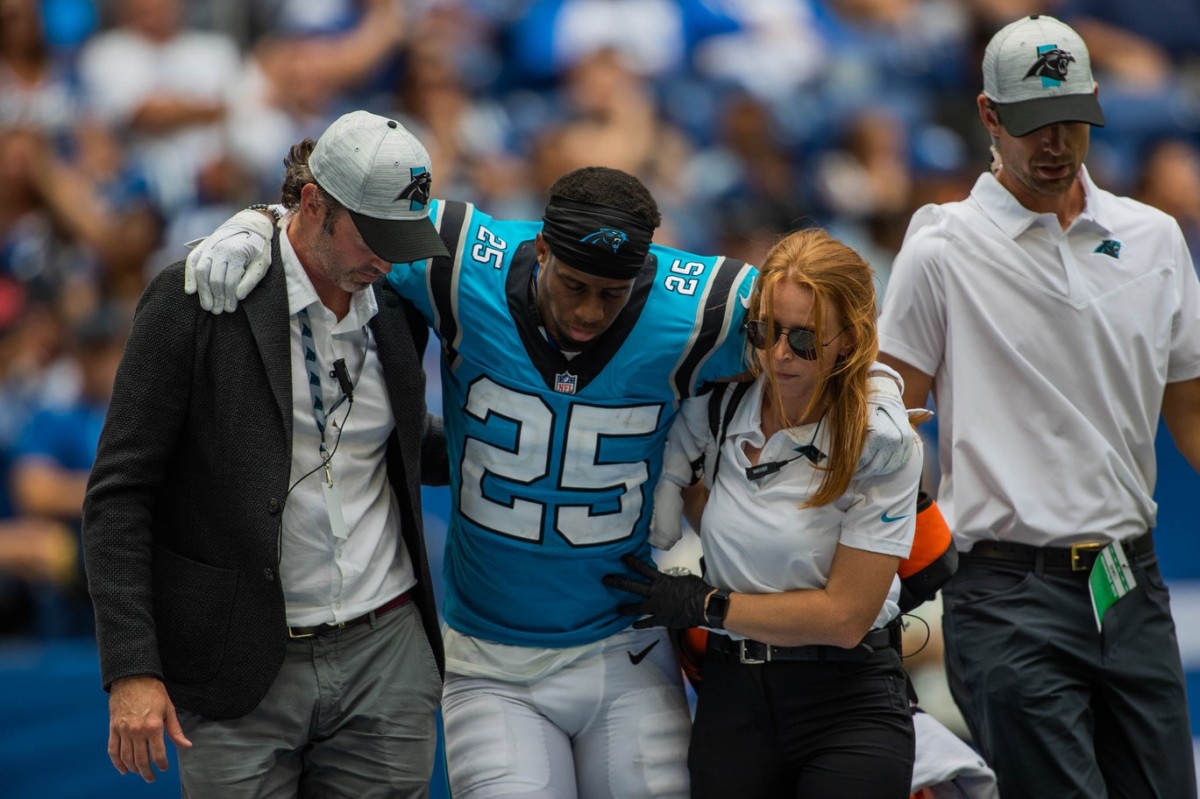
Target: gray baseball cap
point(1038, 72)
point(380, 172)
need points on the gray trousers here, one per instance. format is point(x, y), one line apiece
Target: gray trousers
point(351, 714)
point(1058, 708)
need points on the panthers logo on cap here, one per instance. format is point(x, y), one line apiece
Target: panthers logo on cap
point(1051, 64)
point(607, 237)
point(417, 191)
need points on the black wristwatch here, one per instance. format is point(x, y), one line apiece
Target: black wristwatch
point(715, 609)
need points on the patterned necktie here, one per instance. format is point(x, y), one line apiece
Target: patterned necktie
point(314, 373)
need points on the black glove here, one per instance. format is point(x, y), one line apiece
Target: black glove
point(674, 602)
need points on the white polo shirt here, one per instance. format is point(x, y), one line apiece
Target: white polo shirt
point(327, 578)
point(758, 540)
point(1049, 350)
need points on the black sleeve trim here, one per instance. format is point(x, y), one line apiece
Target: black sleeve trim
point(442, 275)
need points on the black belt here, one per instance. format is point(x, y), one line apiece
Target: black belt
point(321, 629)
point(1074, 558)
point(755, 652)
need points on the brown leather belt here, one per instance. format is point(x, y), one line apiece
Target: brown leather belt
point(1074, 558)
point(756, 652)
point(321, 629)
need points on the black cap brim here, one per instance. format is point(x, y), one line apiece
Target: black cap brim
point(1023, 118)
point(400, 241)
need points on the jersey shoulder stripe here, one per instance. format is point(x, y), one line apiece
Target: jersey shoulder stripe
point(451, 220)
point(719, 306)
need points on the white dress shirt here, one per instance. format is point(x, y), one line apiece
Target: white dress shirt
point(327, 579)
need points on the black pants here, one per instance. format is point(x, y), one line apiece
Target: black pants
point(804, 729)
point(1056, 707)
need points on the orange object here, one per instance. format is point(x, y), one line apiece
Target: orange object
point(932, 538)
point(690, 645)
point(933, 559)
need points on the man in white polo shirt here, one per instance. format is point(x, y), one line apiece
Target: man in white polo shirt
point(1053, 320)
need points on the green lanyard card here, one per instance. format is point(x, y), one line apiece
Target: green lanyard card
point(1111, 579)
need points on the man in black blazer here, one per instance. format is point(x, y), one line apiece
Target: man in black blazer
point(252, 527)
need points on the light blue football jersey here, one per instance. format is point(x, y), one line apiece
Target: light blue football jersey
point(554, 461)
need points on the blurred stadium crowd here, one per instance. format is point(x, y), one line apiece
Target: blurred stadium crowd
point(128, 127)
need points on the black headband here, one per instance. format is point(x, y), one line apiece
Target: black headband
point(597, 239)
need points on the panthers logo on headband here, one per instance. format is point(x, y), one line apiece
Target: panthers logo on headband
point(1051, 64)
point(607, 237)
point(417, 191)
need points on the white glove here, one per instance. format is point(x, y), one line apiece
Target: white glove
point(890, 436)
point(230, 263)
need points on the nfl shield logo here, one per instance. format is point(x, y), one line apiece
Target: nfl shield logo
point(564, 383)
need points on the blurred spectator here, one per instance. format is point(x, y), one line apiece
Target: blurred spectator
point(774, 49)
point(83, 223)
point(348, 57)
point(896, 52)
point(281, 100)
point(102, 204)
point(31, 376)
point(747, 187)
point(1147, 57)
point(1170, 181)
point(36, 555)
point(31, 251)
point(54, 455)
point(993, 14)
point(36, 88)
point(313, 62)
point(166, 88)
point(302, 17)
point(1137, 43)
point(612, 119)
point(470, 139)
point(33, 371)
point(654, 37)
point(870, 173)
point(625, 129)
point(864, 187)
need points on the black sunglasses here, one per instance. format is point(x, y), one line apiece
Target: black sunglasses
point(802, 340)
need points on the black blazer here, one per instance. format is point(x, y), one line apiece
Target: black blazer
point(182, 516)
